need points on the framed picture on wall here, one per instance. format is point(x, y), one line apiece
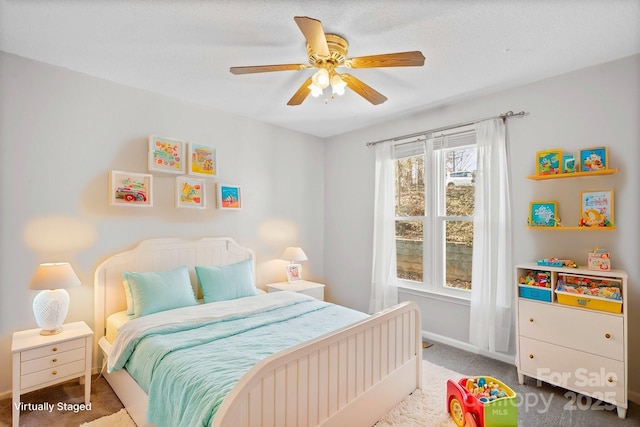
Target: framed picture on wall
point(190, 192)
point(543, 214)
point(130, 189)
point(549, 162)
point(596, 208)
point(229, 197)
point(166, 155)
point(594, 159)
point(294, 272)
point(201, 160)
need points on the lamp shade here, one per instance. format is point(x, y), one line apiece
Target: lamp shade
point(59, 275)
point(294, 254)
point(51, 305)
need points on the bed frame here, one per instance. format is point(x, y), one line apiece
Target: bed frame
point(352, 376)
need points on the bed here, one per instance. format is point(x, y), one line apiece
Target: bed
point(351, 374)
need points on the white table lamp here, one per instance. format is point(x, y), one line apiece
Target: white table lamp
point(50, 307)
point(293, 255)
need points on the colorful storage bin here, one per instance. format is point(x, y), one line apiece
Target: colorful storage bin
point(535, 293)
point(587, 301)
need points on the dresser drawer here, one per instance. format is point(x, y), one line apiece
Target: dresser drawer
point(68, 370)
point(52, 361)
point(592, 375)
point(589, 331)
point(51, 349)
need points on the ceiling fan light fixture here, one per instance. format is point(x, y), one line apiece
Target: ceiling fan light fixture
point(337, 85)
point(316, 91)
point(321, 78)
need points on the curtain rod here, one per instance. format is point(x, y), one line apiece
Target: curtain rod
point(504, 116)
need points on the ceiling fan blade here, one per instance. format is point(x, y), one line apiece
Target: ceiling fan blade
point(301, 94)
point(364, 90)
point(399, 59)
point(313, 32)
point(267, 68)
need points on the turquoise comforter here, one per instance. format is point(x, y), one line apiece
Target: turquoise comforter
point(189, 365)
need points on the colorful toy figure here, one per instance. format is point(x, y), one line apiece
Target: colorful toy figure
point(481, 402)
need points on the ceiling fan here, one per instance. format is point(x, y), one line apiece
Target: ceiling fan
point(327, 52)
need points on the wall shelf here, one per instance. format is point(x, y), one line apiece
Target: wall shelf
point(573, 175)
point(572, 228)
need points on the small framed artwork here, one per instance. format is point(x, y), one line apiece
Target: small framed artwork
point(130, 189)
point(568, 163)
point(549, 162)
point(229, 197)
point(201, 160)
point(166, 155)
point(596, 208)
point(594, 159)
point(544, 214)
point(190, 192)
point(294, 272)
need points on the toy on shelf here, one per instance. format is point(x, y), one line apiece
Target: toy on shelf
point(555, 262)
point(541, 279)
point(481, 402)
point(599, 260)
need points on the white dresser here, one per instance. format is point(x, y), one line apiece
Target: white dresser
point(583, 350)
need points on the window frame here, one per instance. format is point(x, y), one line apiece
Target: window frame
point(434, 249)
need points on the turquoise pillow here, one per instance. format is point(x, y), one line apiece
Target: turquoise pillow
point(227, 282)
point(159, 291)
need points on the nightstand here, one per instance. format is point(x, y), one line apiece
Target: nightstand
point(306, 287)
point(43, 360)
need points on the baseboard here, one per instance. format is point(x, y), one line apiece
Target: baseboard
point(506, 358)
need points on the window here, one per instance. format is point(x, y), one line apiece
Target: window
point(434, 205)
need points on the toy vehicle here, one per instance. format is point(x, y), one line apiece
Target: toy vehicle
point(481, 402)
point(130, 194)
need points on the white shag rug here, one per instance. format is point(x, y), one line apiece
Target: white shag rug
point(423, 408)
point(119, 419)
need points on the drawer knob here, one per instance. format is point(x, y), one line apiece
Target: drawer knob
point(54, 360)
point(54, 372)
point(531, 356)
point(610, 379)
point(54, 349)
point(607, 336)
point(531, 319)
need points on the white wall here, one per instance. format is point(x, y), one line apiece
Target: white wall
point(595, 106)
point(61, 132)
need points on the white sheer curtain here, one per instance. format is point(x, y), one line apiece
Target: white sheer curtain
point(492, 287)
point(384, 291)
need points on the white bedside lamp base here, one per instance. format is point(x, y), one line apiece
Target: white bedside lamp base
point(50, 308)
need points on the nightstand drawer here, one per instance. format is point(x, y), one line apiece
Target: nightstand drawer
point(52, 349)
point(317, 293)
point(51, 361)
point(72, 369)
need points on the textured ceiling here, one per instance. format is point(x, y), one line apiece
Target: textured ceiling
point(184, 49)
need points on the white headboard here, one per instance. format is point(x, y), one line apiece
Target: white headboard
point(158, 255)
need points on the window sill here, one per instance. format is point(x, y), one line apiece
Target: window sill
point(425, 293)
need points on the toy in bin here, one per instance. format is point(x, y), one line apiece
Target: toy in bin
point(481, 402)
